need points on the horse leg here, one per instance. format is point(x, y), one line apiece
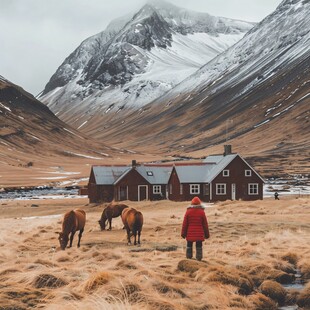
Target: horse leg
point(135, 234)
point(71, 238)
point(110, 223)
point(80, 236)
point(139, 234)
point(128, 236)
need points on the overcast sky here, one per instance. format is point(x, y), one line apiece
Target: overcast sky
point(37, 35)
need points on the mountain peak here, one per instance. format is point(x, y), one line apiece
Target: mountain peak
point(138, 58)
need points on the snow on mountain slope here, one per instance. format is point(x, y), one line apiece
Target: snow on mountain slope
point(126, 68)
point(255, 94)
point(280, 38)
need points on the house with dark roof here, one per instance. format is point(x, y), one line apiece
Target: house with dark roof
point(221, 177)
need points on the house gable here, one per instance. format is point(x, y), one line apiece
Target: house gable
point(234, 184)
point(133, 181)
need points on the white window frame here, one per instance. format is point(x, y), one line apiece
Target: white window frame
point(157, 189)
point(222, 186)
point(194, 189)
point(226, 173)
point(248, 173)
point(253, 189)
point(181, 189)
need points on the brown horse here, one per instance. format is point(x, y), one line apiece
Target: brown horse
point(73, 221)
point(110, 212)
point(133, 222)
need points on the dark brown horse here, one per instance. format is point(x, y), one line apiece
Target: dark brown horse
point(133, 222)
point(73, 221)
point(111, 211)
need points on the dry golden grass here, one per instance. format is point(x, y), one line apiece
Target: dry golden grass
point(251, 243)
point(274, 290)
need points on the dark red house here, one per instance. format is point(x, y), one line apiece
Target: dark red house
point(217, 178)
point(135, 182)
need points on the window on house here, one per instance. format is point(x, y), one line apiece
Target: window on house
point(248, 173)
point(206, 189)
point(253, 189)
point(156, 189)
point(181, 189)
point(194, 189)
point(149, 173)
point(170, 189)
point(225, 173)
point(220, 189)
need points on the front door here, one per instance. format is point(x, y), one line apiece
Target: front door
point(123, 193)
point(233, 191)
point(142, 192)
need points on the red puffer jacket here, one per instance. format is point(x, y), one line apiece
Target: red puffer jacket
point(195, 224)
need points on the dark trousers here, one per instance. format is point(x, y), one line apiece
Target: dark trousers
point(198, 244)
point(189, 250)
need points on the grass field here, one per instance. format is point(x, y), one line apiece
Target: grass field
point(254, 248)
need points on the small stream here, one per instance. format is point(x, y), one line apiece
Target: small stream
point(39, 193)
point(299, 285)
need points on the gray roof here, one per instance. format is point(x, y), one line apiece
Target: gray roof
point(222, 163)
point(107, 175)
point(155, 174)
point(213, 165)
point(193, 173)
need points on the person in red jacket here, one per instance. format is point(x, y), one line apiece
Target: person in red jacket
point(195, 228)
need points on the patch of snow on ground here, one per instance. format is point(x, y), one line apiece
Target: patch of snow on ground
point(299, 187)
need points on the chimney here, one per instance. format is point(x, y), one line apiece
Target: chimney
point(227, 149)
point(134, 163)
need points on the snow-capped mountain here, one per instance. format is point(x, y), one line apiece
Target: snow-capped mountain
point(255, 95)
point(135, 60)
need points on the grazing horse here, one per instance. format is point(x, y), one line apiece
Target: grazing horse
point(73, 221)
point(133, 222)
point(109, 212)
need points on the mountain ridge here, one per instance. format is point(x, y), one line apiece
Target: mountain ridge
point(129, 70)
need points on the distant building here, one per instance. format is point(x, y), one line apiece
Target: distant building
point(216, 178)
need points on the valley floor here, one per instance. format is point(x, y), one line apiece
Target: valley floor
point(254, 246)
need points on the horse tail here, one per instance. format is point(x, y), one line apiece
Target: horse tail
point(138, 223)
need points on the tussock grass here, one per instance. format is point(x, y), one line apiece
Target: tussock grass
point(303, 300)
point(191, 266)
point(273, 290)
point(251, 242)
point(48, 281)
point(97, 280)
point(290, 257)
point(304, 267)
point(227, 275)
point(262, 302)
